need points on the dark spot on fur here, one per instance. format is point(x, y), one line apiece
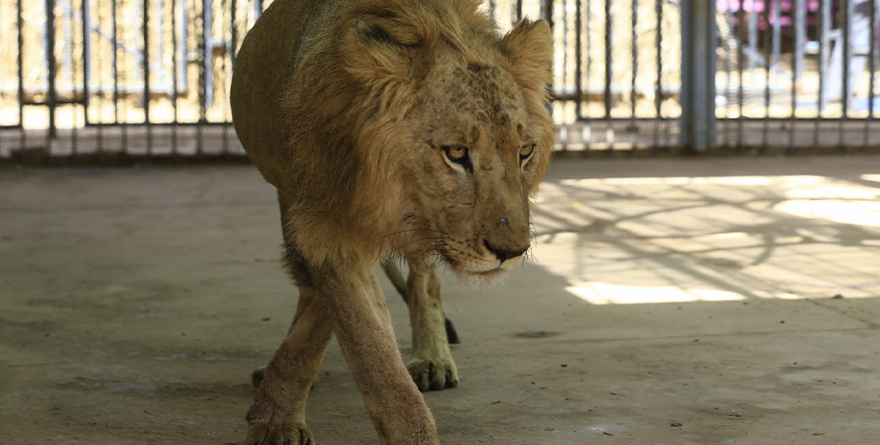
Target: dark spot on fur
point(297, 267)
point(475, 134)
point(378, 34)
point(476, 67)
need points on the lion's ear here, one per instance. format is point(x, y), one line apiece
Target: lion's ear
point(529, 47)
point(375, 49)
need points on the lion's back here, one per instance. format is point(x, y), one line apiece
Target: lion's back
point(264, 66)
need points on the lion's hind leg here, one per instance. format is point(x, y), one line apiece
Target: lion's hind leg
point(396, 277)
point(431, 366)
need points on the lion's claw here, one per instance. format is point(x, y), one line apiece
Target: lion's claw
point(279, 435)
point(430, 375)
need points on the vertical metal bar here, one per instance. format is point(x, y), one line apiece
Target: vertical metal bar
point(739, 66)
point(225, 124)
point(587, 131)
point(687, 67)
point(1, 77)
point(824, 17)
point(146, 71)
point(697, 75)
point(729, 62)
point(800, 37)
point(137, 19)
point(635, 68)
point(609, 30)
point(766, 123)
point(847, 58)
point(183, 66)
point(578, 74)
point(201, 82)
point(87, 56)
point(258, 9)
point(160, 41)
point(872, 13)
point(753, 37)
point(519, 10)
point(100, 85)
point(174, 50)
point(234, 36)
point(824, 50)
point(658, 88)
point(844, 88)
point(799, 25)
point(20, 61)
point(50, 59)
point(116, 50)
point(589, 42)
point(124, 123)
point(71, 76)
point(710, 67)
point(565, 45)
point(777, 35)
point(208, 53)
point(67, 48)
point(115, 44)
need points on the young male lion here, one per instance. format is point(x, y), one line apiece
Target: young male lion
point(389, 127)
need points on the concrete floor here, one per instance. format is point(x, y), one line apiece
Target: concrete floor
point(712, 301)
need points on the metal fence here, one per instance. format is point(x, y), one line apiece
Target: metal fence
point(129, 79)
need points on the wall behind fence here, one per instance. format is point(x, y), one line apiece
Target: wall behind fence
point(150, 77)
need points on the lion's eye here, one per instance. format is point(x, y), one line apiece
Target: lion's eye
point(526, 151)
point(456, 153)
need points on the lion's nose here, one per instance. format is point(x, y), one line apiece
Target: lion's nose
point(504, 254)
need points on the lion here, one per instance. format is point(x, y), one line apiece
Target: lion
point(391, 129)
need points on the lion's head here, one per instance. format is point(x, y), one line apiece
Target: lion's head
point(464, 113)
point(415, 127)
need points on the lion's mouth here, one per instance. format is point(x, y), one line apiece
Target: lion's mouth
point(479, 272)
point(482, 277)
point(488, 269)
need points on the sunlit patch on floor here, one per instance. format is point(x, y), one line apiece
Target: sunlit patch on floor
point(859, 213)
point(720, 180)
point(606, 293)
point(779, 295)
point(689, 239)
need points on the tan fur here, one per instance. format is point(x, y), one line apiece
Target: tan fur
point(349, 109)
point(431, 366)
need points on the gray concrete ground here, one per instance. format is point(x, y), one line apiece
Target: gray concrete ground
point(712, 301)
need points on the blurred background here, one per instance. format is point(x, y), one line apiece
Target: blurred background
point(110, 81)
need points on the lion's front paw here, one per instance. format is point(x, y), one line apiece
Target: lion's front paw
point(433, 374)
point(261, 434)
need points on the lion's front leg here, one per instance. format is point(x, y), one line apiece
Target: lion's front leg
point(431, 366)
point(362, 325)
point(278, 413)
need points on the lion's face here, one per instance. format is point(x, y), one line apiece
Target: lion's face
point(477, 154)
point(454, 124)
